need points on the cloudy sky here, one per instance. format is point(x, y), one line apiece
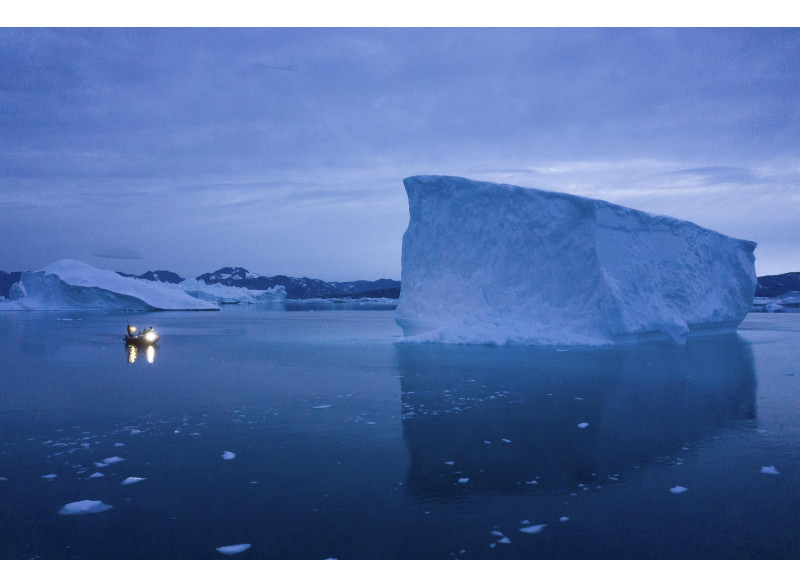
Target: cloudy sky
point(284, 150)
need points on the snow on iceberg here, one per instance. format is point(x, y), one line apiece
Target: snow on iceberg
point(494, 263)
point(70, 284)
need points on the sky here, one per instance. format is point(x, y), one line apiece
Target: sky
point(283, 150)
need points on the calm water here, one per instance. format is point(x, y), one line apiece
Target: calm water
point(349, 445)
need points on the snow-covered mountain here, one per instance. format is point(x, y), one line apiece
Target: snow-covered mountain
point(302, 288)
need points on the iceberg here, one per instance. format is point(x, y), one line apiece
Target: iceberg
point(221, 294)
point(70, 284)
point(495, 263)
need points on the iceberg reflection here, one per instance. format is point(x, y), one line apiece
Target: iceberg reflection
point(514, 416)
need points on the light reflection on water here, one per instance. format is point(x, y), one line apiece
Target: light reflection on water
point(508, 418)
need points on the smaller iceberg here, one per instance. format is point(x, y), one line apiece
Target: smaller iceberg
point(84, 507)
point(233, 549)
point(73, 285)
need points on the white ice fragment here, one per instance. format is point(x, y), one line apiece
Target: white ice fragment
point(84, 507)
point(769, 470)
point(228, 455)
point(449, 463)
point(532, 529)
point(53, 476)
point(505, 440)
point(504, 540)
point(3, 479)
point(463, 480)
point(323, 406)
point(583, 425)
point(487, 442)
point(119, 444)
point(678, 489)
point(531, 482)
point(234, 549)
point(525, 522)
point(97, 475)
point(136, 432)
point(115, 459)
point(132, 480)
point(563, 519)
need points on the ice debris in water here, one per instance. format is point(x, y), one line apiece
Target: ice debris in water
point(53, 476)
point(323, 406)
point(228, 455)
point(233, 549)
point(563, 519)
point(583, 425)
point(678, 489)
point(115, 459)
point(84, 507)
point(497, 533)
point(463, 480)
point(769, 470)
point(532, 529)
point(504, 540)
point(132, 480)
point(97, 475)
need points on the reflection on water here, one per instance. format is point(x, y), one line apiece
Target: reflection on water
point(507, 418)
point(149, 352)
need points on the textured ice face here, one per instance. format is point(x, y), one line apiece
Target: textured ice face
point(493, 263)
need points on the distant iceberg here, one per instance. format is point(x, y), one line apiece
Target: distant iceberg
point(74, 285)
point(494, 263)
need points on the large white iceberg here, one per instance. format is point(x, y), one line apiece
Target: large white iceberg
point(222, 294)
point(494, 263)
point(70, 284)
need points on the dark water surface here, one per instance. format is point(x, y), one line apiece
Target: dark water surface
point(349, 445)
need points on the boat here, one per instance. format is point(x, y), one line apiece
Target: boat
point(135, 336)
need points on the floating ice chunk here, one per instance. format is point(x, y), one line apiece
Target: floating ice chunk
point(449, 463)
point(563, 519)
point(233, 549)
point(493, 263)
point(504, 540)
point(132, 480)
point(769, 470)
point(497, 533)
point(532, 529)
point(54, 476)
point(531, 482)
point(506, 440)
point(119, 444)
point(3, 479)
point(228, 455)
point(583, 425)
point(463, 480)
point(84, 507)
point(678, 490)
point(323, 406)
point(97, 475)
point(115, 459)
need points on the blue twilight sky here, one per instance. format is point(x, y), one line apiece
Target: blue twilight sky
point(283, 150)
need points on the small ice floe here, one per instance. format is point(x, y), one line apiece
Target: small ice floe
point(115, 459)
point(563, 519)
point(506, 440)
point(449, 463)
point(3, 479)
point(497, 533)
point(136, 432)
point(54, 476)
point(119, 444)
point(228, 455)
point(463, 480)
point(97, 475)
point(578, 398)
point(233, 549)
point(532, 529)
point(769, 470)
point(132, 480)
point(487, 442)
point(504, 540)
point(678, 490)
point(84, 507)
point(531, 482)
point(322, 406)
point(583, 425)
